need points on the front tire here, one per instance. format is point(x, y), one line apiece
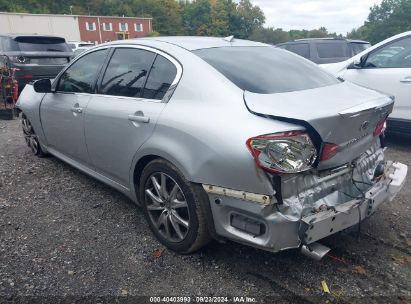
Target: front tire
point(173, 207)
point(31, 138)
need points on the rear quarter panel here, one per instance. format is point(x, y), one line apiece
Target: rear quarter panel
point(204, 128)
point(29, 103)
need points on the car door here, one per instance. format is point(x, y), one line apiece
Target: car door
point(62, 111)
point(122, 116)
point(388, 69)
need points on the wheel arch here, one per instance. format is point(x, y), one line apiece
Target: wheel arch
point(144, 160)
point(141, 160)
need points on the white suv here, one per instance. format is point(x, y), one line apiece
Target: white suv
point(385, 67)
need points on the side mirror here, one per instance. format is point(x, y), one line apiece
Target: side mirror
point(42, 86)
point(358, 63)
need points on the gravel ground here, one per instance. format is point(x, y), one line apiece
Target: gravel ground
point(67, 237)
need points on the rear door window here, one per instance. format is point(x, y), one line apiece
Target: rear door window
point(331, 50)
point(127, 72)
point(302, 49)
point(162, 75)
point(82, 74)
point(40, 44)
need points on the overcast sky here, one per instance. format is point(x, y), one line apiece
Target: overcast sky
point(339, 16)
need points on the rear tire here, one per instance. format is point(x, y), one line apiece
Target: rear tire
point(31, 138)
point(173, 207)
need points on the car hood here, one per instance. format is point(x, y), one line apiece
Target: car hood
point(343, 114)
point(335, 68)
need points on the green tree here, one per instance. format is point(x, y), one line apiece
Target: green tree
point(389, 18)
point(270, 35)
point(197, 17)
point(219, 18)
point(246, 19)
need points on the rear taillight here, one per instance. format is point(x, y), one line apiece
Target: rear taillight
point(286, 152)
point(380, 127)
point(329, 151)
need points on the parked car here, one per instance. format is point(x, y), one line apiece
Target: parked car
point(74, 44)
point(34, 56)
point(325, 50)
point(219, 138)
point(386, 67)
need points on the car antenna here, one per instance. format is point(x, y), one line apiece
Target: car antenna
point(229, 38)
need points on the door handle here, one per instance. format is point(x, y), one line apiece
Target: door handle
point(77, 110)
point(406, 80)
point(136, 118)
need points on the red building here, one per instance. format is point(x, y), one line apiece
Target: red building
point(100, 29)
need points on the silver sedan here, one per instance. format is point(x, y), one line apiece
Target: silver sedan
point(219, 139)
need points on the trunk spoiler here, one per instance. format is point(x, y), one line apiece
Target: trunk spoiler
point(367, 107)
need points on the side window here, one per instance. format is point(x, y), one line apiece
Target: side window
point(396, 54)
point(302, 49)
point(161, 76)
point(331, 50)
point(127, 72)
point(82, 74)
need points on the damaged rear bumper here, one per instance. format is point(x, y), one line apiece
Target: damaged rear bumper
point(270, 226)
point(324, 223)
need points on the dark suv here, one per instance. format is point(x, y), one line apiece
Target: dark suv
point(325, 50)
point(34, 56)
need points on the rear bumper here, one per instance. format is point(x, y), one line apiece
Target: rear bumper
point(399, 126)
point(325, 223)
point(273, 227)
point(28, 73)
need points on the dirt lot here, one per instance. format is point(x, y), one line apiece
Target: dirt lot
point(66, 237)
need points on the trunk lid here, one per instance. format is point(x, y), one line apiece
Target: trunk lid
point(344, 114)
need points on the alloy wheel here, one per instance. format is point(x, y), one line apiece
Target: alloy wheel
point(29, 136)
point(167, 207)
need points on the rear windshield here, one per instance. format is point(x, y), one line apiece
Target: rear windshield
point(266, 70)
point(40, 44)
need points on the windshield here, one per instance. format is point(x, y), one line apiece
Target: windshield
point(40, 44)
point(266, 70)
point(357, 48)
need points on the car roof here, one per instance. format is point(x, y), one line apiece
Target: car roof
point(192, 43)
point(328, 39)
point(28, 35)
